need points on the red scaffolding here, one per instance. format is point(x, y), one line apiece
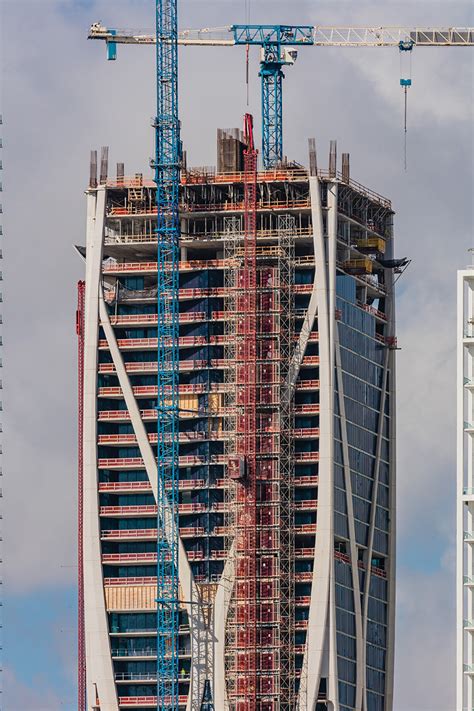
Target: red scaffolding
point(259, 670)
point(246, 440)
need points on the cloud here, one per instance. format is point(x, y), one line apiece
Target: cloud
point(424, 678)
point(21, 697)
point(61, 98)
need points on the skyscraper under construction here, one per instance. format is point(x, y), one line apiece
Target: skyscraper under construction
point(286, 440)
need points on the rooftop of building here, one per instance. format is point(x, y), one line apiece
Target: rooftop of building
point(229, 170)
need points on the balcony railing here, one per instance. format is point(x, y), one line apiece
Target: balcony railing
point(149, 701)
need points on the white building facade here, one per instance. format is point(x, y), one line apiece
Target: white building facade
point(465, 493)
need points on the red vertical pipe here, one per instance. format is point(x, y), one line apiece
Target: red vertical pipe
point(248, 541)
point(81, 655)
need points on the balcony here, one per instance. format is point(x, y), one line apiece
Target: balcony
point(309, 528)
point(135, 676)
point(306, 433)
point(308, 480)
point(125, 511)
point(304, 552)
point(145, 653)
point(135, 654)
point(124, 486)
point(128, 463)
point(192, 531)
point(303, 600)
point(123, 463)
point(138, 580)
point(302, 288)
point(129, 558)
point(306, 505)
point(124, 415)
point(144, 511)
point(199, 176)
point(310, 360)
point(115, 268)
point(184, 437)
point(306, 456)
point(373, 311)
point(191, 484)
point(132, 534)
point(307, 385)
point(152, 367)
point(147, 701)
point(152, 319)
point(237, 206)
point(309, 409)
point(192, 508)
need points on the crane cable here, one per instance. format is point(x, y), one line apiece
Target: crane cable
point(405, 82)
point(405, 129)
point(247, 53)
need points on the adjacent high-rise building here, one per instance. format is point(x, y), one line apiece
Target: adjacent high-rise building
point(287, 594)
point(465, 493)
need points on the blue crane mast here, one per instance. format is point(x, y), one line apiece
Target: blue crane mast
point(273, 39)
point(167, 177)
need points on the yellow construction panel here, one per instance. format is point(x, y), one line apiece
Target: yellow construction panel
point(133, 597)
point(130, 597)
point(375, 243)
point(215, 403)
point(359, 265)
point(188, 404)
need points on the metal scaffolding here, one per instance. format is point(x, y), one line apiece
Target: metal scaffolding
point(260, 662)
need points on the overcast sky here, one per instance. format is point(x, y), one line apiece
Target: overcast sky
point(60, 98)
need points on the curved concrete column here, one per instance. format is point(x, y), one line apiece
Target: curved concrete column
point(309, 319)
point(319, 658)
point(221, 611)
point(99, 667)
point(192, 598)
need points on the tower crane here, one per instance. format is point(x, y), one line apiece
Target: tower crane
point(279, 47)
point(167, 177)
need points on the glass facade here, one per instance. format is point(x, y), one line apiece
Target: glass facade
point(363, 386)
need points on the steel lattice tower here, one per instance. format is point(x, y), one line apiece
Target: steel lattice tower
point(272, 108)
point(167, 173)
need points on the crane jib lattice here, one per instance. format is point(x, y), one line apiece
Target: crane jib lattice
point(276, 42)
